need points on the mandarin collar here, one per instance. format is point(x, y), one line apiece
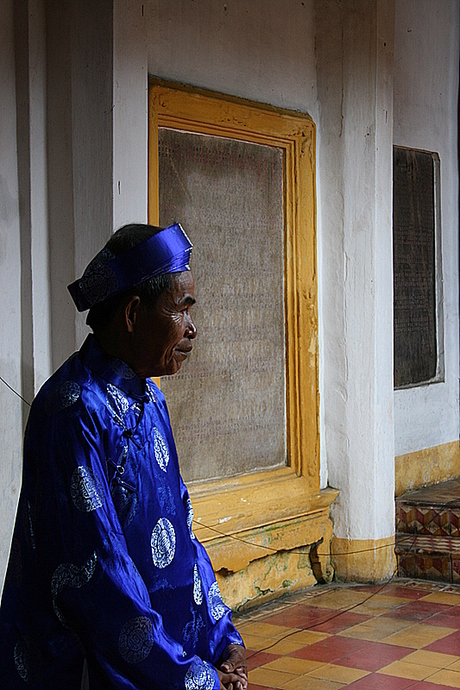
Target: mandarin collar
point(111, 369)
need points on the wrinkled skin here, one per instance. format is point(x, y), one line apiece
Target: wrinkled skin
point(161, 335)
point(233, 673)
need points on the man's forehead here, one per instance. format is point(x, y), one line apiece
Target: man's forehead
point(183, 287)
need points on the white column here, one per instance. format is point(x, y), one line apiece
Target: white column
point(11, 407)
point(130, 113)
point(355, 63)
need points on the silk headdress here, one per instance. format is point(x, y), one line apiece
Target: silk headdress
point(108, 275)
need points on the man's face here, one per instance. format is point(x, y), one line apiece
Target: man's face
point(166, 330)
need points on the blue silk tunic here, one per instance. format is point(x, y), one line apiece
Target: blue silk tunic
point(104, 564)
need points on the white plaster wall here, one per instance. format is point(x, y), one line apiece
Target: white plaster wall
point(425, 117)
point(12, 411)
point(39, 237)
point(130, 112)
point(262, 50)
point(354, 72)
point(55, 198)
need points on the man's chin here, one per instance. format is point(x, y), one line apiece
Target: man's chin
point(174, 367)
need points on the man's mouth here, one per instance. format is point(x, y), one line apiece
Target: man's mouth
point(183, 351)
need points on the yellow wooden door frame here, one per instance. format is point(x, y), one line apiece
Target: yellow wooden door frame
point(275, 501)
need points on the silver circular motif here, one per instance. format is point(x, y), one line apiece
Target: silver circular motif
point(21, 654)
point(69, 393)
point(85, 490)
point(197, 588)
point(189, 509)
point(218, 608)
point(150, 390)
point(71, 575)
point(163, 543)
point(200, 676)
point(117, 404)
point(63, 396)
point(136, 640)
point(161, 450)
point(28, 661)
point(99, 280)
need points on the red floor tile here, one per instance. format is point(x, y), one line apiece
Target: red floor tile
point(331, 649)
point(365, 655)
point(340, 622)
point(380, 682)
point(447, 645)
point(404, 592)
point(374, 656)
point(424, 685)
point(301, 616)
point(418, 610)
point(255, 659)
point(448, 619)
point(371, 589)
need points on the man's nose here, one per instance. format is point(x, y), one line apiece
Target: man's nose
point(191, 329)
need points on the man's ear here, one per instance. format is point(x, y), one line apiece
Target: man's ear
point(131, 313)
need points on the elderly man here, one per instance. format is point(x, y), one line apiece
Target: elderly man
point(105, 572)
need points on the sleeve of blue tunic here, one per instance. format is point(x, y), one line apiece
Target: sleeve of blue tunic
point(222, 633)
point(94, 587)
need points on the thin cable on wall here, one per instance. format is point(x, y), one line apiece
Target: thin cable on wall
point(303, 553)
point(14, 391)
point(263, 546)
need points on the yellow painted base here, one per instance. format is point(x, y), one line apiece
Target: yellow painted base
point(267, 578)
point(261, 546)
point(427, 466)
point(363, 560)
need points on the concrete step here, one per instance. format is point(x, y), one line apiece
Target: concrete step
point(428, 532)
point(426, 557)
point(432, 510)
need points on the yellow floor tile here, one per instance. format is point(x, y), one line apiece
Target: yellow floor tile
point(417, 636)
point(309, 683)
point(308, 637)
point(258, 643)
point(292, 665)
point(267, 676)
point(380, 604)
point(402, 669)
point(376, 629)
point(339, 599)
point(449, 598)
point(433, 659)
point(446, 677)
point(292, 673)
point(267, 630)
point(338, 674)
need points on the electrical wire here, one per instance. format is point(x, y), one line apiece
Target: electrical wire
point(336, 615)
point(293, 551)
point(328, 554)
point(324, 620)
point(14, 391)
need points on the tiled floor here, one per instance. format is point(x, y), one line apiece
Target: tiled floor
point(402, 635)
